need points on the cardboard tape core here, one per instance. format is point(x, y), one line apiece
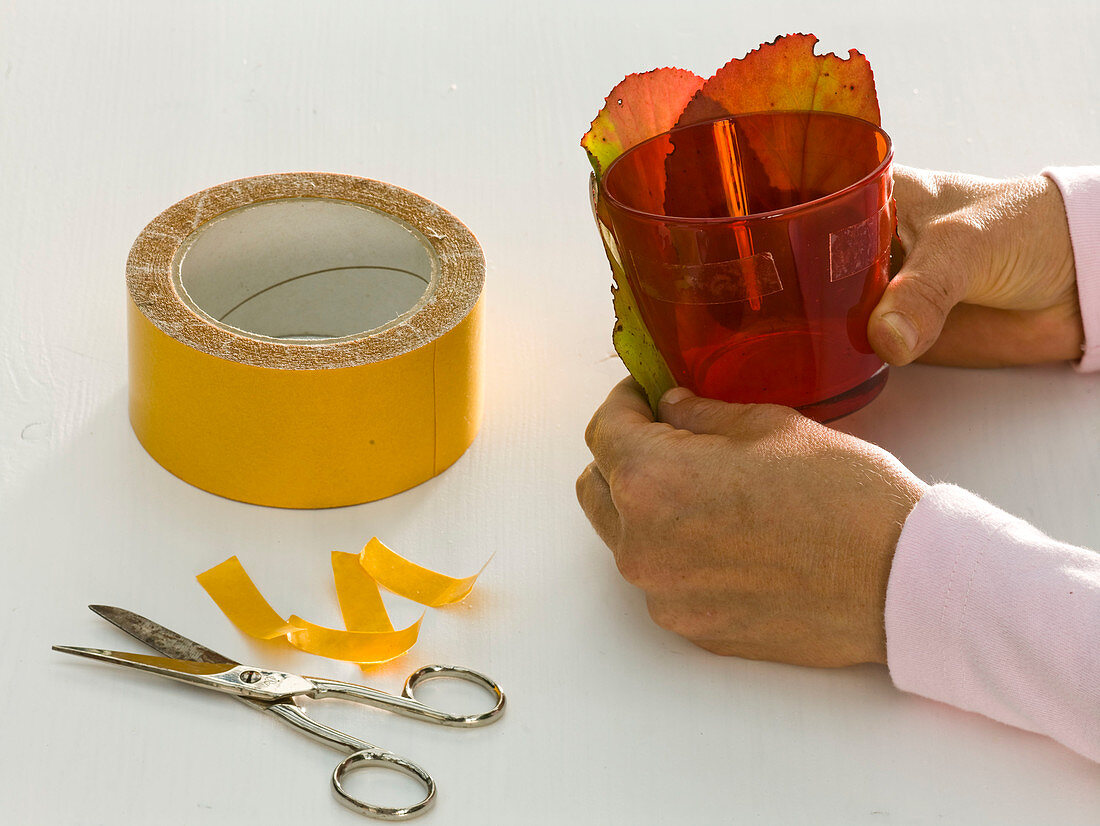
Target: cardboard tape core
point(305, 269)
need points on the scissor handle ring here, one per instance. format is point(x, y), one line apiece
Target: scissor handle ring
point(432, 672)
point(376, 758)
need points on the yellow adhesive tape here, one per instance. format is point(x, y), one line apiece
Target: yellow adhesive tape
point(305, 340)
point(410, 580)
point(369, 636)
point(353, 646)
point(360, 603)
point(230, 586)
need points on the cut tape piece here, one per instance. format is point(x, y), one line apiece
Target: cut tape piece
point(229, 585)
point(718, 282)
point(353, 646)
point(856, 248)
point(410, 580)
point(360, 600)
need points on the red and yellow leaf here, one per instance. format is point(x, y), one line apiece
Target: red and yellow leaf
point(641, 106)
point(786, 75)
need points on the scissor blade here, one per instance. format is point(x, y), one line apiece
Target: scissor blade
point(158, 637)
point(165, 666)
point(238, 680)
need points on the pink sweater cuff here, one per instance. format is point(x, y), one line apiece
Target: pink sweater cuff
point(1080, 188)
point(986, 613)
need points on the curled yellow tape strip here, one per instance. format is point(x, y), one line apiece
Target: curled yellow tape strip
point(369, 636)
point(353, 646)
point(237, 595)
point(410, 580)
point(360, 602)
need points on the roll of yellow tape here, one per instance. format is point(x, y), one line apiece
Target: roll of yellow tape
point(305, 340)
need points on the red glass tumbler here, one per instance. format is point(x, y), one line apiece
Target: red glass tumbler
point(756, 247)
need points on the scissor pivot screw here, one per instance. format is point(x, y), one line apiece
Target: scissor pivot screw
point(251, 676)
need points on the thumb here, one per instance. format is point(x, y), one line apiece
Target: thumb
point(684, 410)
point(912, 310)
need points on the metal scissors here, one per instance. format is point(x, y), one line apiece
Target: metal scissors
point(277, 692)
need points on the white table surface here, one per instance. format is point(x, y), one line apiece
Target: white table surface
point(112, 111)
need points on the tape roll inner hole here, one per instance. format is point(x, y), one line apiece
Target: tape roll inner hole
point(305, 269)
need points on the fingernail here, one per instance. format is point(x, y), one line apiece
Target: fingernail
point(676, 395)
point(903, 328)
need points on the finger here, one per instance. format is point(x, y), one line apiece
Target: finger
point(976, 336)
point(594, 494)
point(915, 196)
point(684, 410)
point(617, 425)
point(922, 196)
point(912, 311)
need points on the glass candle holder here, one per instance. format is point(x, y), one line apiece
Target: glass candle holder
point(756, 247)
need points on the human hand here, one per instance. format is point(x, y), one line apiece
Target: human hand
point(989, 277)
point(752, 530)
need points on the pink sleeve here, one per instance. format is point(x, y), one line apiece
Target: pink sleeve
point(1080, 188)
point(987, 613)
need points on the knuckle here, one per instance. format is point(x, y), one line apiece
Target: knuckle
point(775, 416)
point(961, 233)
point(763, 423)
point(696, 409)
point(633, 566)
point(635, 487)
point(908, 232)
point(591, 432)
point(965, 226)
point(663, 614)
point(722, 647)
point(581, 486)
point(941, 293)
point(681, 619)
point(914, 190)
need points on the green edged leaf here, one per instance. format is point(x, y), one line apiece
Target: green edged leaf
point(634, 344)
point(632, 340)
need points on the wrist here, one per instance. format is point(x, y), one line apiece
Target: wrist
point(1078, 191)
point(895, 507)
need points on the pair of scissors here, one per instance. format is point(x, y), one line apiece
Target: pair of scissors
point(277, 692)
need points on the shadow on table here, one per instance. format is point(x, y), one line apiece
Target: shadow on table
point(1015, 434)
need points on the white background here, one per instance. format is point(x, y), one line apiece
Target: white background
point(110, 112)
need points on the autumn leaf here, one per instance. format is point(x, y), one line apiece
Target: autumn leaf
point(786, 75)
point(640, 107)
point(634, 344)
point(630, 336)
